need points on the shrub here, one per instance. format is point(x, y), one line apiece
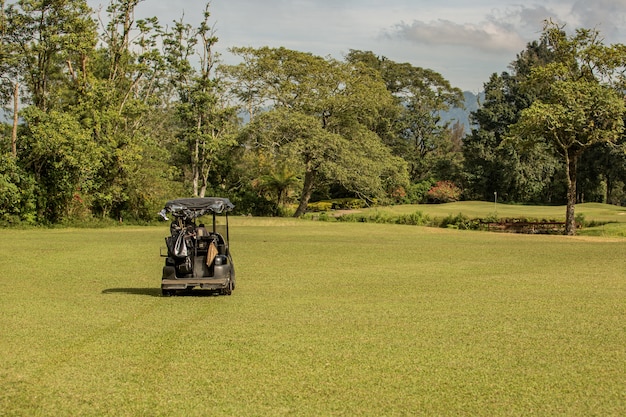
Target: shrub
point(17, 193)
point(444, 192)
point(460, 221)
point(355, 203)
point(320, 206)
point(352, 218)
point(415, 219)
point(324, 217)
point(250, 203)
point(372, 217)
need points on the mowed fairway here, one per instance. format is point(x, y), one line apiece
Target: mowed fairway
point(327, 319)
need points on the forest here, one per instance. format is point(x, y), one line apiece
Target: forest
point(108, 117)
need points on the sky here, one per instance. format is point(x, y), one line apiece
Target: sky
point(464, 40)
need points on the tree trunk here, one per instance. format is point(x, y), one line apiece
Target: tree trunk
point(206, 168)
point(570, 169)
point(16, 92)
point(196, 179)
point(195, 160)
point(307, 190)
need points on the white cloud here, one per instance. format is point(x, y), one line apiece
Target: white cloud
point(464, 41)
point(608, 16)
point(487, 37)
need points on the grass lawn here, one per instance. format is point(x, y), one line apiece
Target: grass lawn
point(614, 217)
point(327, 319)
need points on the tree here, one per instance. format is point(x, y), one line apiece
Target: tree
point(577, 105)
point(280, 181)
point(51, 40)
point(206, 123)
point(602, 173)
point(417, 133)
point(46, 46)
point(10, 72)
point(323, 114)
point(492, 163)
point(62, 157)
point(17, 192)
point(125, 104)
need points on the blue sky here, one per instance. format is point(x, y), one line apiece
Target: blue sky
point(465, 41)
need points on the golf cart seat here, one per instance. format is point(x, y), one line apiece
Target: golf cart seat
point(201, 232)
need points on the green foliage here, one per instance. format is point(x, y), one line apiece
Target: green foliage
point(348, 203)
point(378, 216)
point(320, 206)
point(336, 204)
point(416, 133)
point(494, 163)
point(280, 182)
point(324, 116)
point(248, 202)
point(459, 221)
point(50, 43)
point(17, 193)
point(62, 156)
point(117, 124)
point(417, 218)
point(205, 123)
point(579, 101)
point(417, 193)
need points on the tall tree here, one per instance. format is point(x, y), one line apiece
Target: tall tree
point(491, 162)
point(53, 39)
point(577, 105)
point(11, 71)
point(62, 157)
point(124, 107)
point(417, 133)
point(47, 45)
point(324, 113)
point(207, 123)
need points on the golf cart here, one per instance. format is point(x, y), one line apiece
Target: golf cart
point(195, 256)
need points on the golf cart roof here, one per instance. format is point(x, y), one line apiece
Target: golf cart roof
point(192, 208)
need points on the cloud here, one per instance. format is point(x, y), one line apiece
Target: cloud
point(508, 27)
point(608, 16)
point(488, 36)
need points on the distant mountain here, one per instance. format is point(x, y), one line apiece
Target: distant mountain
point(471, 102)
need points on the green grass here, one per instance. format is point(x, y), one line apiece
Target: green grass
point(591, 211)
point(327, 319)
point(612, 219)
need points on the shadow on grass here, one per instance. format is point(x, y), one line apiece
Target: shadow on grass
point(152, 292)
point(156, 292)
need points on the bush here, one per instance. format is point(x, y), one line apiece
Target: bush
point(372, 217)
point(250, 203)
point(352, 218)
point(324, 217)
point(17, 193)
point(320, 206)
point(415, 219)
point(347, 203)
point(460, 221)
point(444, 192)
point(418, 193)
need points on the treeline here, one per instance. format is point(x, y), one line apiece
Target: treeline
point(113, 116)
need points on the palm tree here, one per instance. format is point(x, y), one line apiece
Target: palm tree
point(279, 182)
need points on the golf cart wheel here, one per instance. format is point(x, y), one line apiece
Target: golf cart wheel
point(168, 293)
point(229, 289)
